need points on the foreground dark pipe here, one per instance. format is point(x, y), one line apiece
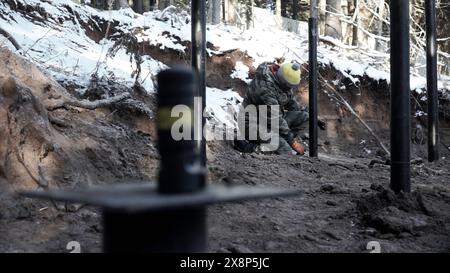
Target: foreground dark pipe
point(400, 97)
point(179, 158)
point(313, 36)
point(432, 84)
point(198, 61)
point(180, 230)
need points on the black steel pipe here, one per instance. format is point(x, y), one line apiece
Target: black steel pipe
point(313, 132)
point(180, 161)
point(180, 230)
point(198, 62)
point(166, 231)
point(400, 97)
point(432, 83)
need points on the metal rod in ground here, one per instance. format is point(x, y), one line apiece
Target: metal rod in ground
point(400, 97)
point(432, 84)
point(198, 61)
point(165, 231)
point(176, 230)
point(313, 39)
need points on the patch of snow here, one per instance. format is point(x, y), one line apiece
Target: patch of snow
point(221, 109)
point(378, 75)
point(341, 64)
point(241, 72)
point(420, 113)
point(418, 84)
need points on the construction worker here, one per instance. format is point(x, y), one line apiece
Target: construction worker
point(273, 85)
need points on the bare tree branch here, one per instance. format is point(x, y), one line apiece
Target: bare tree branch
point(10, 38)
point(87, 104)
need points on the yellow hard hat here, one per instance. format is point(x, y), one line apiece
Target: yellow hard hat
point(290, 74)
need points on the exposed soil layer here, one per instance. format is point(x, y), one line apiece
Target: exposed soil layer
point(220, 65)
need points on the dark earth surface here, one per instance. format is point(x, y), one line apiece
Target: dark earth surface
point(344, 205)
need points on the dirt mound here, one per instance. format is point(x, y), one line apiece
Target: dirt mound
point(412, 213)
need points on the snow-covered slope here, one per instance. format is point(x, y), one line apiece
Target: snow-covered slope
point(53, 36)
point(64, 49)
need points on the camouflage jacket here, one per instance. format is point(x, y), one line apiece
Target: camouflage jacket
point(265, 89)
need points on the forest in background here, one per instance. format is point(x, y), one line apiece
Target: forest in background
point(350, 23)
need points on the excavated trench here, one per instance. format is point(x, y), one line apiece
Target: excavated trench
point(370, 99)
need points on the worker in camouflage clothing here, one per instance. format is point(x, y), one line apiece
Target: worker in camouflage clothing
point(273, 85)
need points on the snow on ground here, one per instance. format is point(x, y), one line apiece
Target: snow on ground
point(69, 55)
point(64, 49)
point(221, 108)
point(241, 72)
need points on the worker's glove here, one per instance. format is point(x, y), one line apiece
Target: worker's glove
point(298, 147)
point(322, 124)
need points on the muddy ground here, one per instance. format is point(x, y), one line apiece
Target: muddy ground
point(344, 205)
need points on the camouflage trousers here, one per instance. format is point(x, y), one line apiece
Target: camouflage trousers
point(295, 120)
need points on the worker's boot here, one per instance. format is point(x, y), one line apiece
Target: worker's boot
point(245, 146)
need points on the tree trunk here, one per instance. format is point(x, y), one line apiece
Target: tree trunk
point(213, 12)
point(138, 6)
point(153, 4)
point(351, 32)
point(379, 25)
point(443, 28)
point(224, 14)
point(355, 28)
point(230, 11)
point(99, 4)
point(249, 13)
point(295, 9)
point(164, 4)
point(345, 27)
point(278, 8)
point(121, 4)
point(364, 21)
point(284, 8)
point(333, 26)
point(322, 6)
point(146, 5)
